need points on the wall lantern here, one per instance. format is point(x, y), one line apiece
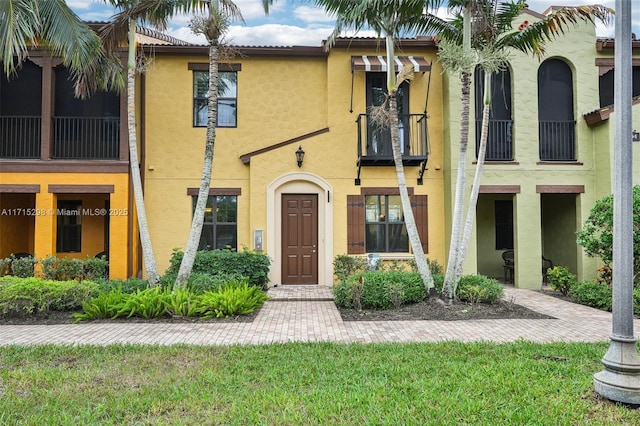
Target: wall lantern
point(300, 155)
point(635, 136)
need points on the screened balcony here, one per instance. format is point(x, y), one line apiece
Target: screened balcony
point(20, 137)
point(89, 138)
point(499, 140)
point(557, 140)
point(95, 138)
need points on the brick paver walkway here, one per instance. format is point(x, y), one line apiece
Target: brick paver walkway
point(307, 313)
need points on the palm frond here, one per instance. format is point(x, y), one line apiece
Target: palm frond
point(19, 27)
point(532, 39)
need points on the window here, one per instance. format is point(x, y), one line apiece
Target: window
point(379, 138)
point(220, 228)
point(556, 122)
point(69, 226)
point(499, 138)
point(504, 224)
point(227, 98)
point(375, 221)
point(384, 224)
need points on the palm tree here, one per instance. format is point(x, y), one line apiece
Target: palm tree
point(122, 30)
point(213, 27)
point(53, 25)
point(491, 37)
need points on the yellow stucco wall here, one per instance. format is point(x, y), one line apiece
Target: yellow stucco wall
point(42, 236)
point(279, 98)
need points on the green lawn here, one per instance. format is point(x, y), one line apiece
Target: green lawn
point(306, 384)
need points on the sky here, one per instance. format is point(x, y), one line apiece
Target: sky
point(299, 23)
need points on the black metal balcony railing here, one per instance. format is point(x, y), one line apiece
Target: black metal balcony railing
point(374, 141)
point(499, 140)
point(86, 138)
point(19, 137)
point(557, 140)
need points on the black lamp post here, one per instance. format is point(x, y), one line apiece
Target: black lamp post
point(300, 155)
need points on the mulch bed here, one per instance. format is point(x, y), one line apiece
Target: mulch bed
point(50, 318)
point(434, 310)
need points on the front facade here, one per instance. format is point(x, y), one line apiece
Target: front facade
point(547, 162)
point(341, 198)
point(301, 171)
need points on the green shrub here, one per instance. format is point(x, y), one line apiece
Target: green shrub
point(5, 266)
point(148, 303)
point(561, 279)
point(23, 267)
point(107, 304)
point(128, 286)
point(200, 282)
point(479, 289)
point(233, 298)
point(55, 268)
point(594, 294)
point(596, 235)
point(19, 296)
point(250, 264)
point(95, 268)
point(345, 266)
point(183, 303)
point(379, 290)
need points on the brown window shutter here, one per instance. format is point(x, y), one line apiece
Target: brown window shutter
point(355, 224)
point(419, 207)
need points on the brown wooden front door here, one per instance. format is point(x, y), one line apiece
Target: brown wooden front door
point(299, 239)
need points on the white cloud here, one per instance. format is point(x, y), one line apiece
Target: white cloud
point(312, 15)
point(277, 35)
point(80, 4)
point(252, 9)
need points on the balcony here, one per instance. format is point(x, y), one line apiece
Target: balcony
point(20, 137)
point(81, 138)
point(499, 140)
point(557, 140)
point(95, 138)
point(374, 142)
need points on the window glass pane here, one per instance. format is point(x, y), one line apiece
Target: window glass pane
point(398, 238)
point(69, 226)
point(206, 237)
point(200, 111)
point(395, 209)
point(375, 238)
point(226, 237)
point(200, 84)
point(227, 208)
point(227, 98)
point(226, 112)
point(227, 84)
point(373, 208)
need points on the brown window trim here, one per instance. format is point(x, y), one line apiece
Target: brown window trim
point(559, 163)
point(81, 189)
point(216, 191)
point(222, 67)
point(560, 189)
point(383, 191)
point(499, 189)
point(19, 188)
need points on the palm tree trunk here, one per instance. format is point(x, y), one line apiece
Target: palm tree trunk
point(145, 237)
point(409, 219)
point(475, 188)
point(205, 182)
point(448, 289)
point(450, 281)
